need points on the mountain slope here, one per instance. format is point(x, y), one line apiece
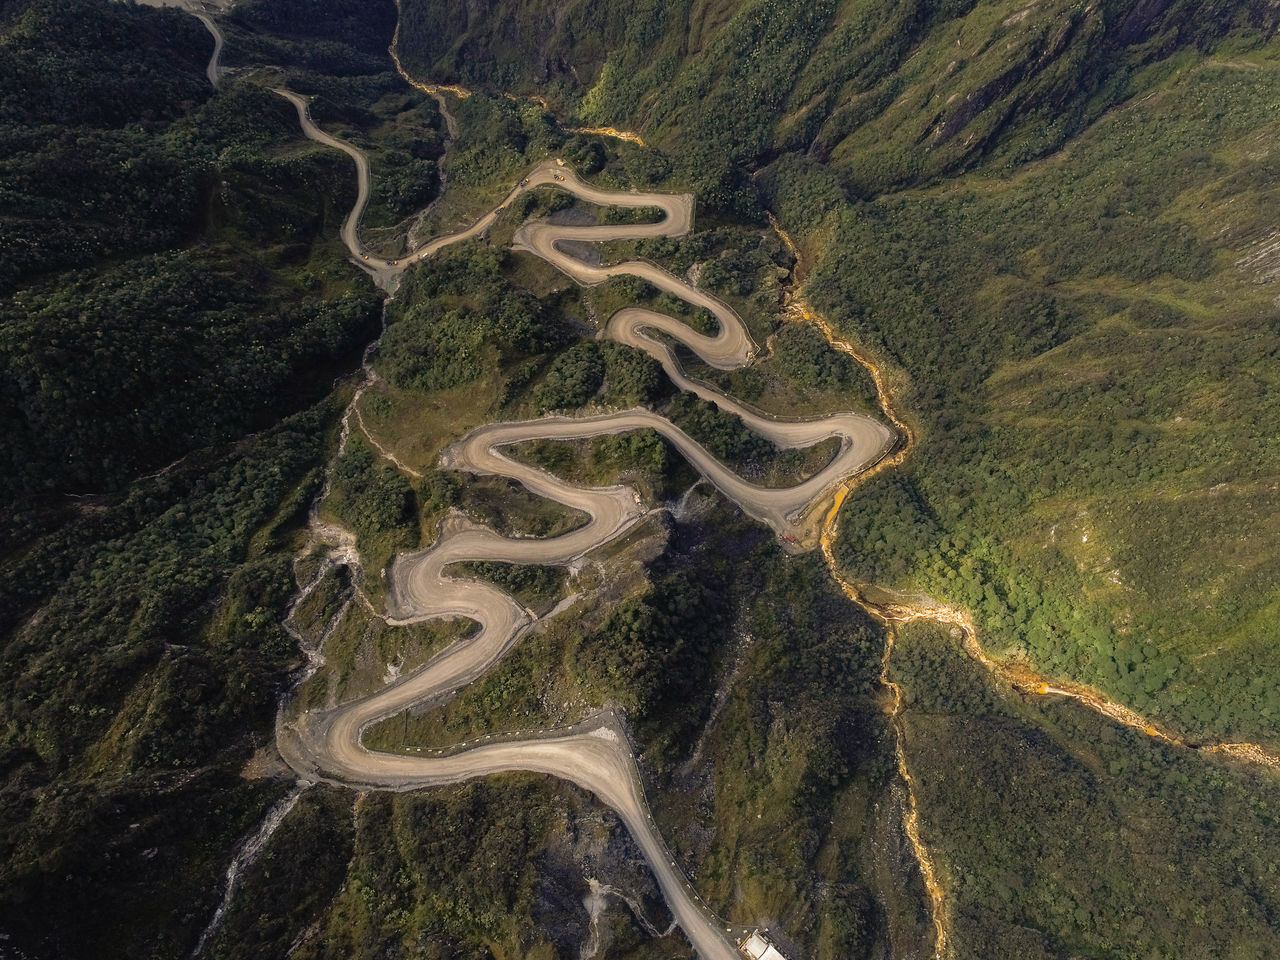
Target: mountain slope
point(886, 94)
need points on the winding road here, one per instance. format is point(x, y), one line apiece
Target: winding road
point(326, 744)
point(199, 9)
point(351, 225)
point(214, 70)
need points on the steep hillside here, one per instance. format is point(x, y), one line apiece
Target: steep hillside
point(1050, 223)
point(887, 94)
point(174, 308)
point(1052, 227)
point(1090, 347)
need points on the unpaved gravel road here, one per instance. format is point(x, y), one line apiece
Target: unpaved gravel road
point(200, 9)
point(326, 744)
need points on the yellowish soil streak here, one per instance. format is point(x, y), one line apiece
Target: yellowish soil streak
point(1019, 675)
point(608, 132)
point(437, 89)
point(798, 310)
point(892, 613)
point(911, 815)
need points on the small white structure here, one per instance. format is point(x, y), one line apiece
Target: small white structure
point(756, 947)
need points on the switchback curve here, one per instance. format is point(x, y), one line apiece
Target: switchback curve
point(326, 744)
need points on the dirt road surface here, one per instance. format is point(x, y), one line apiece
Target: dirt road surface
point(327, 745)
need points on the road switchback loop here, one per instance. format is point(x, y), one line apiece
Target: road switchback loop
point(327, 745)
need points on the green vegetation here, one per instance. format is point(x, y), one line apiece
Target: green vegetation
point(336, 52)
point(402, 133)
point(629, 377)
point(1094, 478)
point(109, 376)
point(800, 376)
point(283, 900)
point(728, 439)
point(1104, 842)
point(158, 351)
point(782, 788)
point(513, 511)
point(502, 861)
point(885, 95)
point(171, 293)
point(332, 40)
point(377, 502)
point(373, 497)
point(455, 317)
point(1049, 224)
point(641, 458)
point(134, 693)
point(498, 141)
point(745, 267)
point(362, 653)
point(534, 586)
point(806, 358)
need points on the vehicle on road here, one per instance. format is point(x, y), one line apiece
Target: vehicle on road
point(758, 947)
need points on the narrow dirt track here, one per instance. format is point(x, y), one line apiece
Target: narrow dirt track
point(351, 225)
point(198, 10)
point(214, 70)
point(326, 744)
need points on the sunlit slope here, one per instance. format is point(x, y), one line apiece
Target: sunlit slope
point(1057, 223)
point(1090, 347)
point(887, 92)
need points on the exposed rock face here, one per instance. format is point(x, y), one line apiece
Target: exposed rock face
point(596, 888)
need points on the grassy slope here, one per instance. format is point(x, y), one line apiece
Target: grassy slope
point(1103, 843)
point(888, 94)
point(211, 300)
point(1076, 324)
point(1050, 224)
point(497, 867)
point(1096, 475)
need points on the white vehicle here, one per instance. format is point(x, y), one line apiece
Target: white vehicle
point(757, 947)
